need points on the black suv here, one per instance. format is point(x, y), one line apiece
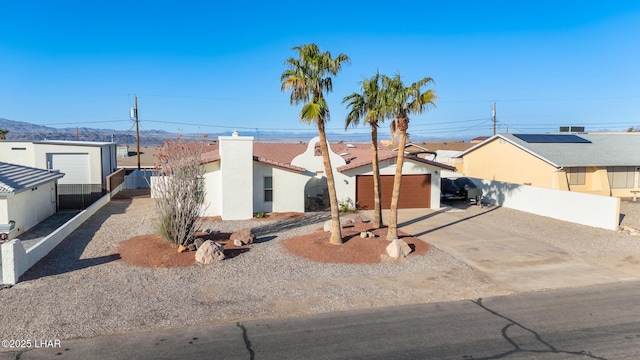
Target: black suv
point(468, 189)
point(449, 190)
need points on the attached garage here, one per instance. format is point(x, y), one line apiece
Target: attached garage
point(415, 191)
point(75, 166)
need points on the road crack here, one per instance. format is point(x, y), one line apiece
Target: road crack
point(546, 346)
point(247, 342)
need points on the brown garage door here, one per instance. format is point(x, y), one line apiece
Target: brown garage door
point(414, 193)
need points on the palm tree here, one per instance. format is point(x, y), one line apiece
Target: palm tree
point(368, 106)
point(3, 134)
point(401, 102)
point(309, 77)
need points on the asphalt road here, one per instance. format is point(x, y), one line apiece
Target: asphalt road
point(597, 322)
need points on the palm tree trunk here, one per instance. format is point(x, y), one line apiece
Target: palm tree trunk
point(336, 232)
point(377, 212)
point(392, 233)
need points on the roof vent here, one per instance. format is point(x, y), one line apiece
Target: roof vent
point(571, 129)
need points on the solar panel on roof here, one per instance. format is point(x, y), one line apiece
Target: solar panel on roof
point(552, 139)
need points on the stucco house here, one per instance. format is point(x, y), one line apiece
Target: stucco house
point(243, 177)
point(597, 163)
point(86, 166)
point(82, 162)
point(27, 196)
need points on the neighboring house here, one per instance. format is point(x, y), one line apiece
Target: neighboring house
point(27, 196)
point(83, 162)
point(479, 139)
point(86, 166)
point(242, 177)
point(444, 152)
point(603, 164)
point(128, 160)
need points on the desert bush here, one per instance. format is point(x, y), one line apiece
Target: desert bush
point(347, 205)
point(180, 185)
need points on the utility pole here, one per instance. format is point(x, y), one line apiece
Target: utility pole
point(493, 114)
point(77, 134)
point(135, 110)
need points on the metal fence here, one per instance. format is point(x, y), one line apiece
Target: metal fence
point(78, 196)
point(115, 179)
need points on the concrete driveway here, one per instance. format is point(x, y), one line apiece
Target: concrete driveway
point(524, 251)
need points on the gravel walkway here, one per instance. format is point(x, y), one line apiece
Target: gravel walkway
point(82, 289)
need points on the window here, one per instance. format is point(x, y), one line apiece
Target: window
point(577, 175)
point(621, 177)
point(268, 188)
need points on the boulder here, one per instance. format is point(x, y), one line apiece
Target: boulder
point(327, 226)
point(198, 242)
point(182, 248)
point(398, 248)
point(237, 242)
point(364, 234)
point(210, 252)
point(246, 236)
point(192, 247)
point(370, 234)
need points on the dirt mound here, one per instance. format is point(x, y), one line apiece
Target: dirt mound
point(153, 251)
point(354, 250)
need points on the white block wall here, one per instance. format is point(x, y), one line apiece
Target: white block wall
point(580, 208)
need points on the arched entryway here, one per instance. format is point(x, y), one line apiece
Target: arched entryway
point(316, 195)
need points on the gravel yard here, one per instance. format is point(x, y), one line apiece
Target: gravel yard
point(82, 289)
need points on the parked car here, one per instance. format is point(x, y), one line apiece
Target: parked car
point(468, 189)
point(449, 190)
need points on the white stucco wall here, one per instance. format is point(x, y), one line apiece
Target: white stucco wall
point(236, 165)
point(16, 261)
point(586, 209)
point(4, 211)
point(288, 190)
point(10, 152)
point(213, 190)
point(314, 164)
point(28, 208)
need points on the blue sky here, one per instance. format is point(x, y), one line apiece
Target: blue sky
point(200, 67)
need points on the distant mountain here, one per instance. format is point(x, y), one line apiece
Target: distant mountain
point(19, 130)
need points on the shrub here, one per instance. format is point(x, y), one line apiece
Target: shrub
point(261, 215)
point(179, 183)
point(347, 205)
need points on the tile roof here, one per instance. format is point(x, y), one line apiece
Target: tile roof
point(282, 154)
point(16, 178)
point(278, 154)
point(603, 150)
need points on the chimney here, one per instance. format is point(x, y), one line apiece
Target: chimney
point(236, 176)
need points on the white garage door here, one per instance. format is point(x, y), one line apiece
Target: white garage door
point(74, 166)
